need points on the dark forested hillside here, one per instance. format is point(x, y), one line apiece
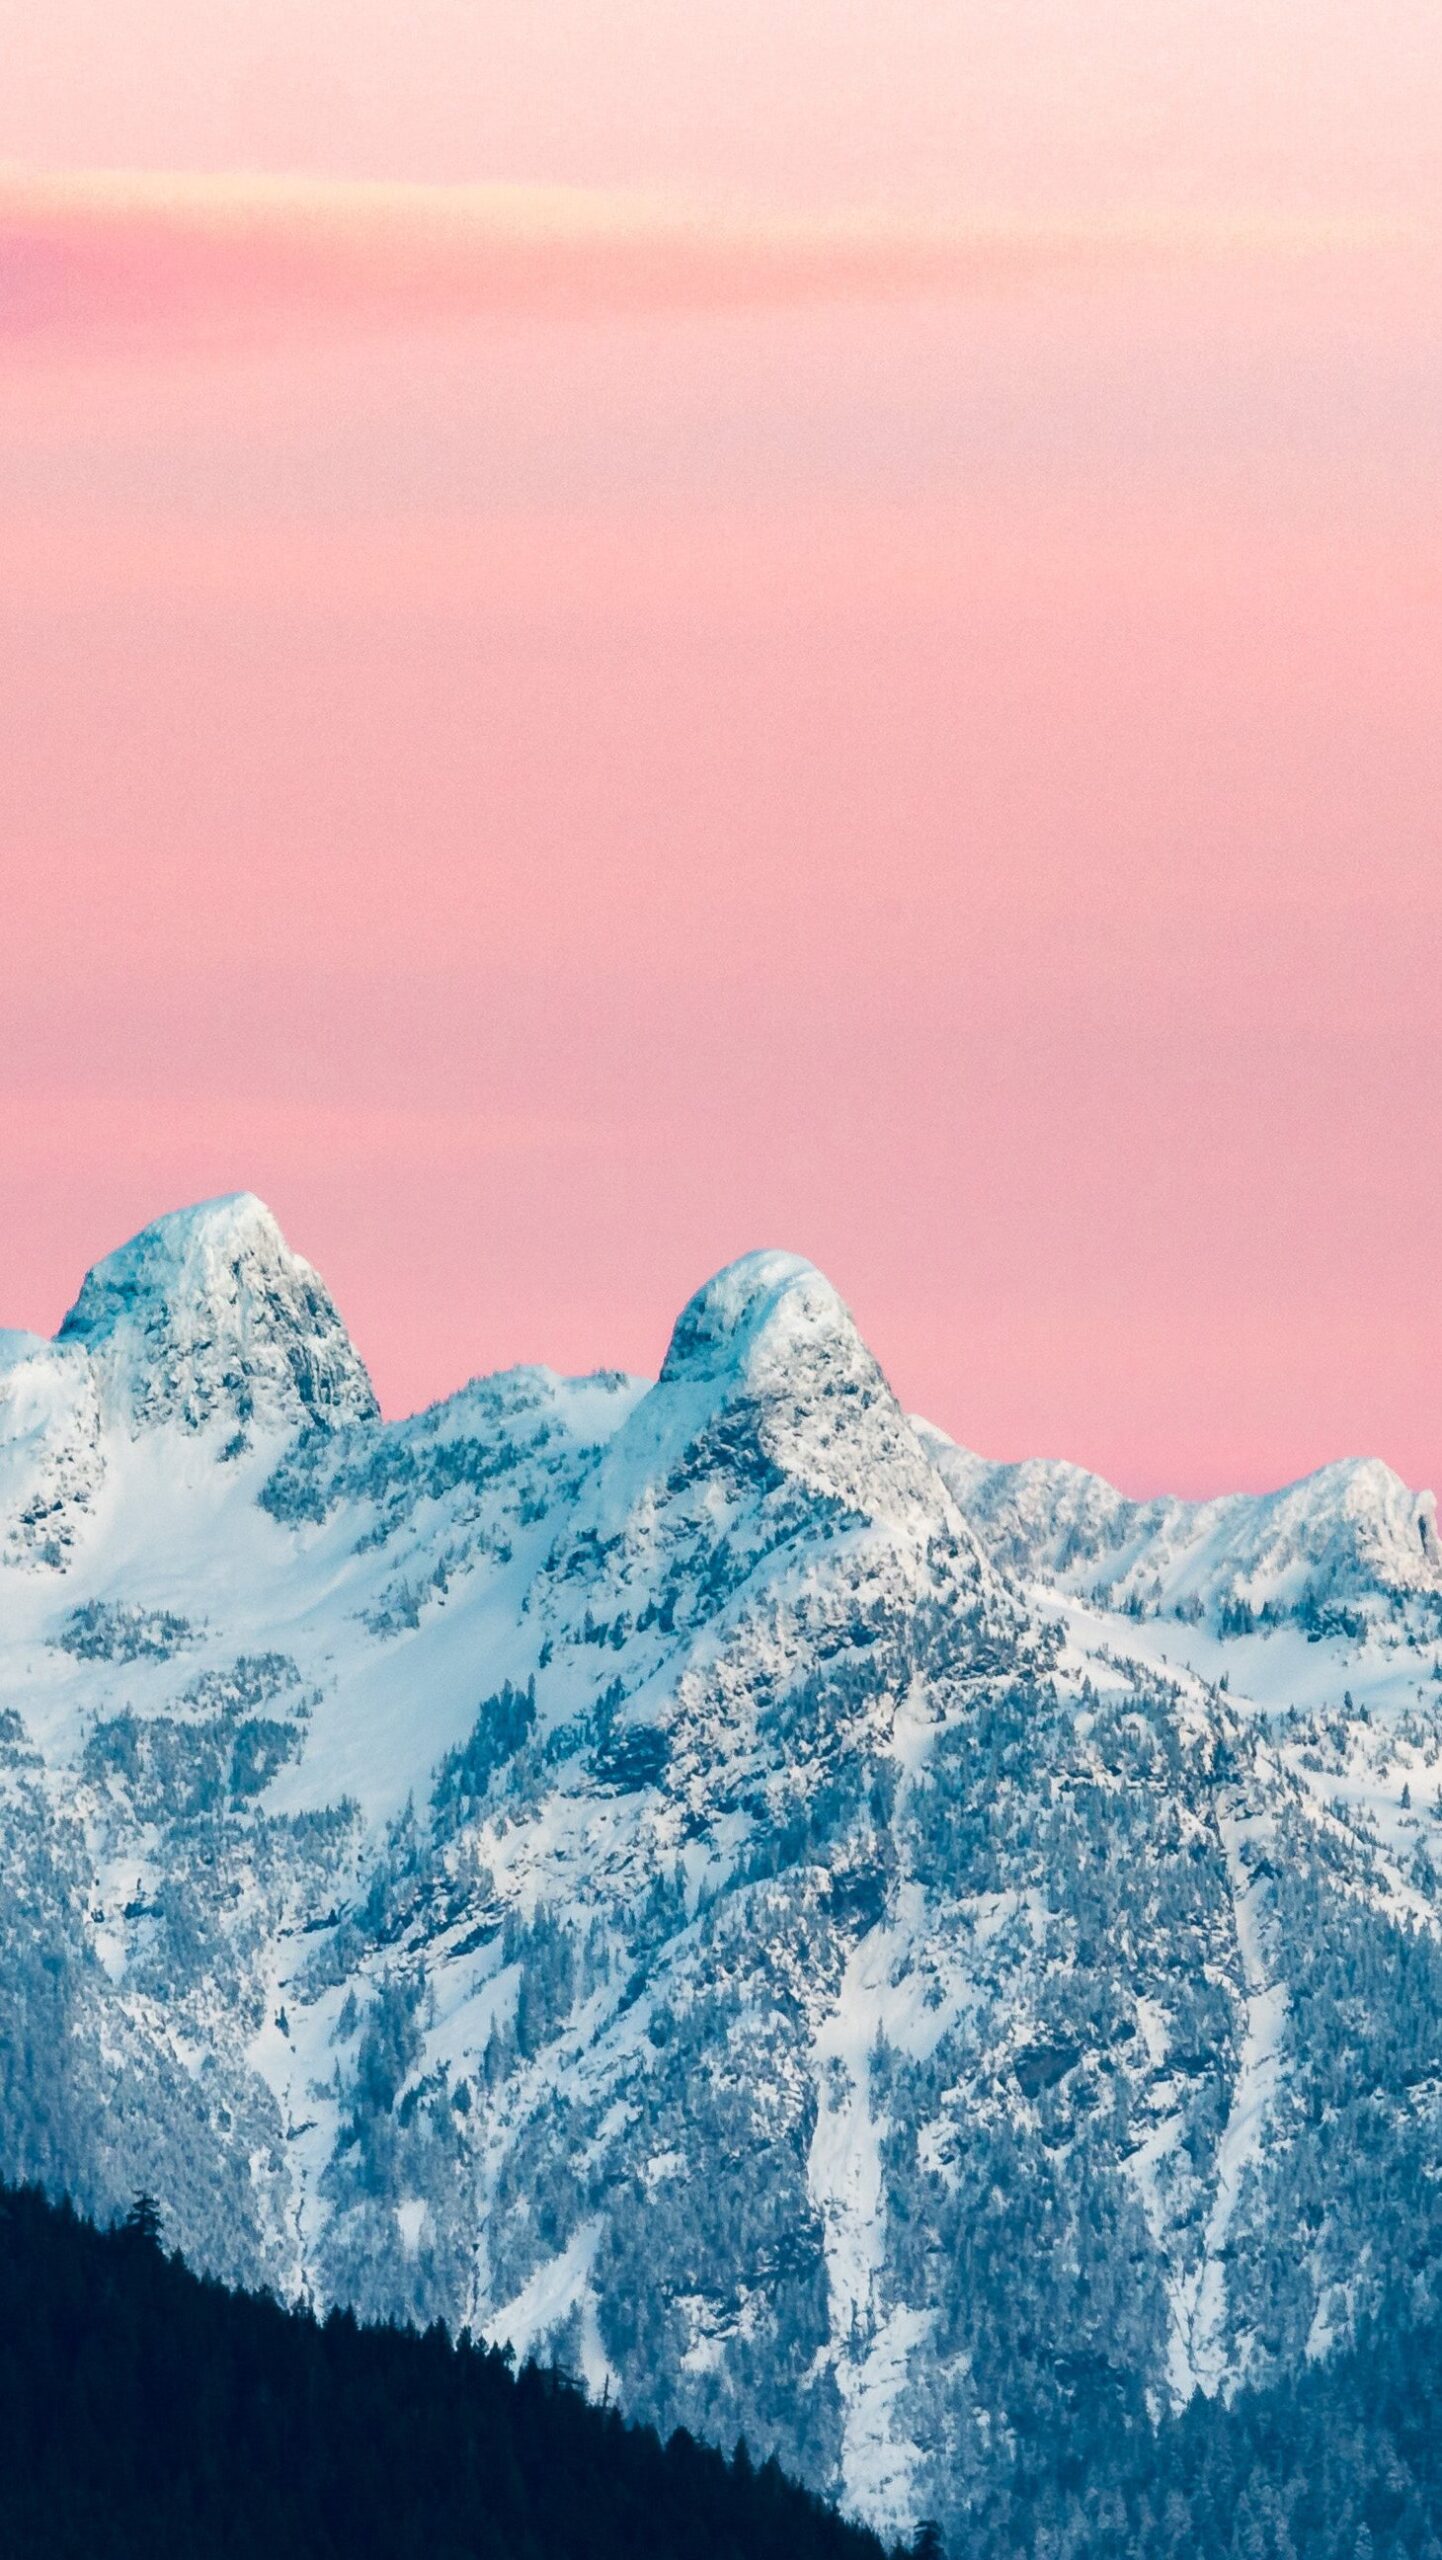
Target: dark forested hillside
point(147, 2412)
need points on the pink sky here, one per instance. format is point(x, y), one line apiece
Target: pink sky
point(869, 683)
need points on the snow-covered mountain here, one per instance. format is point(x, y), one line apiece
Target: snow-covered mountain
point(830, 1938)
point(1351, 1537)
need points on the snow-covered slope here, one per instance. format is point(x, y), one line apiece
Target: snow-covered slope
point(706, 1879)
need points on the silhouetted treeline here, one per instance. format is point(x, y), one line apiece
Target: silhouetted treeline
point(145, 2411)
point(148, 2414)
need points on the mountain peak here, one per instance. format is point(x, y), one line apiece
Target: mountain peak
point(760, 1312)
point(1364, 1525)
point(770, 1338)
point(208, 1314)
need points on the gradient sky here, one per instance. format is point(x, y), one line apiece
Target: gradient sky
point(632, 633)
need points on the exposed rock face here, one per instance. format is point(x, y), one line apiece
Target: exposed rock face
point(708, 1879)
point(208, 1315)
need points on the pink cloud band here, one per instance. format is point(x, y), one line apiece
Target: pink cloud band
point(115, 261)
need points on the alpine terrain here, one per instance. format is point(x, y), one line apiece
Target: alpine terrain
point(824, 1937)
